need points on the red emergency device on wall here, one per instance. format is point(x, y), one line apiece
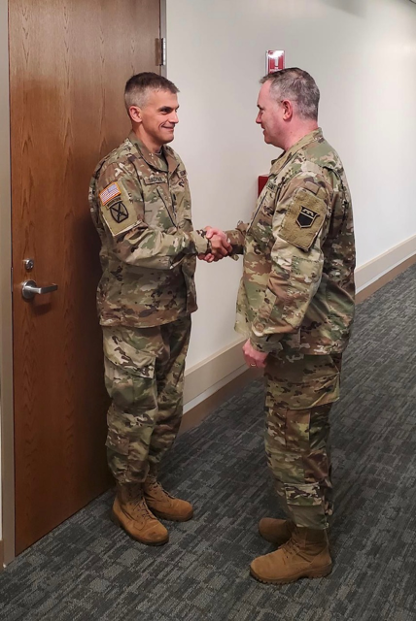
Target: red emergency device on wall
point(262, 182)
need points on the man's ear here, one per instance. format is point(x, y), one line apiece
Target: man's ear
point(287, 109)
point(135, 114)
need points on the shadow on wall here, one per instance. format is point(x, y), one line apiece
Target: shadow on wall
point(356, 7)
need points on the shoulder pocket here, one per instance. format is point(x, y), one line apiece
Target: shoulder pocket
point(303, 220)
point(119, 217)
point(116, 208)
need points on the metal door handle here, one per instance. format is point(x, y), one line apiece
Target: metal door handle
point(30, 289)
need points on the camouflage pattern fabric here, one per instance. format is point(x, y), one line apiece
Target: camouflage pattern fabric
point(144, 375)
point(300, 390)
point(297, 287)
point(296, 302)
point(141, 206)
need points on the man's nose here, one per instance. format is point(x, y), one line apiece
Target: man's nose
point(173, 117)
point(258, 120)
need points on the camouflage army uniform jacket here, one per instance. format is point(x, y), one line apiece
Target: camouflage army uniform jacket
point(298, 287)
point(141, 206)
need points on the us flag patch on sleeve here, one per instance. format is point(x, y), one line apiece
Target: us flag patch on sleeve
point(109, 193)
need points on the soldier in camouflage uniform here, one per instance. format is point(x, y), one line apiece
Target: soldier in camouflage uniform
point(296, 306)
point(140, 203)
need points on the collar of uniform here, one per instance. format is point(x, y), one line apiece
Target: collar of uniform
point(153, 159)
point(284, 158)
point(171, 159)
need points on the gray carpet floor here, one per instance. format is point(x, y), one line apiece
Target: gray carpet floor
point(87, 569)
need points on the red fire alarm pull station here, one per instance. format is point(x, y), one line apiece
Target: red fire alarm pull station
point(262, 181)
point(275, 60)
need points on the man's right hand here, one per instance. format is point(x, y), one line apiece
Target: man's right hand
point(220, 245)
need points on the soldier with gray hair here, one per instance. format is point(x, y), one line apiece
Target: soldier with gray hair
point(296, 306)
point(141, 206)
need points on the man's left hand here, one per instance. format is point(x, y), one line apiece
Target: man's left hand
point(253, 357)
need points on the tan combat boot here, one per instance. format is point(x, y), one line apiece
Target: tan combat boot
point(130, 512)
point(165, 505)
point(306, 554)
point(275, 530)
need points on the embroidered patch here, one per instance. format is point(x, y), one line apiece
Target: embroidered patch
point(119, 212)
point(110, 192)
point(306, 217)
point(303, 220)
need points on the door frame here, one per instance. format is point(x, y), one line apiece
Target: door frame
point(163, 29)
point(7, 496)
point(7, 458)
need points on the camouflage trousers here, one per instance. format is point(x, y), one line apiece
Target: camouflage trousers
point(144, 376)
point(300, 390)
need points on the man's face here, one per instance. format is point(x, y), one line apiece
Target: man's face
point(270, 116)
point(158, 119)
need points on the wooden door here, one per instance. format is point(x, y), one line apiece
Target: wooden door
point(69, 61)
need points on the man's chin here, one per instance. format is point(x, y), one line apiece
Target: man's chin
point(169, 137)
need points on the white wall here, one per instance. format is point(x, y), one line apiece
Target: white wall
point(362, 54)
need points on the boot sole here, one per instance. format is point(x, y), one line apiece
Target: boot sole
point(117, 522)
point(171, 517)
point(315, 574)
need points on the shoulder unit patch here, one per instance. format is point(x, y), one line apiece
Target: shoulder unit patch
point(306, 217)
point(119, 212)
point(116, 208)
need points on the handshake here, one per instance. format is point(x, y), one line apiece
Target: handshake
point(219, 245)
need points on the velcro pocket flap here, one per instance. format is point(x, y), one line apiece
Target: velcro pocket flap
point(304, 219)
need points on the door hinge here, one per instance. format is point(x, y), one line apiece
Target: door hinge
point(161, 52)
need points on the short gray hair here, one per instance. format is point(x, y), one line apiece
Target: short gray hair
point(295, 85)
point(138, 87)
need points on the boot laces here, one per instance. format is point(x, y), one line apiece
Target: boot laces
point(142, 509)
point(134, 495)
point(157, 486)
point(290, 548)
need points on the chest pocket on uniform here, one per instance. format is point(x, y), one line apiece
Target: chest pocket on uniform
point(179, 180)
point(303, 220)
point(158, 204)
point(260, 227)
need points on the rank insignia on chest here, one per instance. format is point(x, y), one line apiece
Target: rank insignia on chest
point(306, 217)
point(119, 212)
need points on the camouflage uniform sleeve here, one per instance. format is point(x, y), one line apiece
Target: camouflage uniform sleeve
point(237, 238)
point(300, 224)
point(122, 211)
